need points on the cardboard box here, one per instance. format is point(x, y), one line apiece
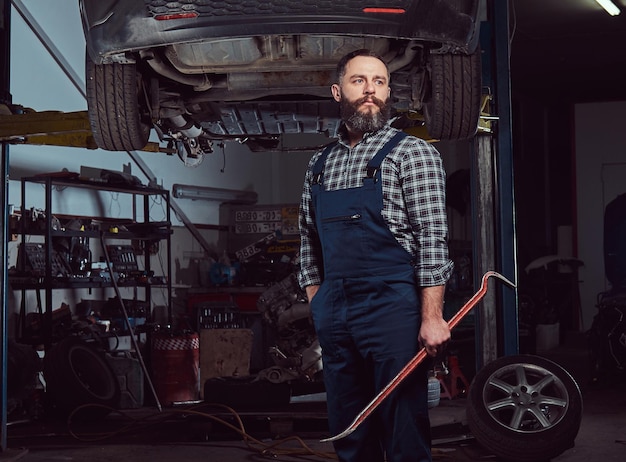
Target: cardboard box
point(224, 353)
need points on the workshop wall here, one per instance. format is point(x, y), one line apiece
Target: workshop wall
point(600, 174)
point(40, 83)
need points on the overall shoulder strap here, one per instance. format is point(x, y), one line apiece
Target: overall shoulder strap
point(318, 168)
point(374, 164)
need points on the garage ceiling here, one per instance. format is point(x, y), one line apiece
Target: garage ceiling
point(568, 49)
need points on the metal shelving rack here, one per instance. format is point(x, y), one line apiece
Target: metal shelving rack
point(139, 228)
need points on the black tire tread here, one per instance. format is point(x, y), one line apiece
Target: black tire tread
point(66, 390)
point(113, 107)
point(519, 447)
point(453, 109)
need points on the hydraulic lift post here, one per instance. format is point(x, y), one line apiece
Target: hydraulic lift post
point(493, 220)
point(5, 98)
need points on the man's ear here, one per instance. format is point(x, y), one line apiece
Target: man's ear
point(334, 88)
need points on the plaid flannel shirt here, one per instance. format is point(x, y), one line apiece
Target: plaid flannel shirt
point(414, 203)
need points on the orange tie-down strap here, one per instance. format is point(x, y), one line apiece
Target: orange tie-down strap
point(417, 359)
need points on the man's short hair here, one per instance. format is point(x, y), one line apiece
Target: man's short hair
point(343, 62)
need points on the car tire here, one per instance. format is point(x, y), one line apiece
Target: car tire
point(113, 106)
point(524, 408)
point(452, 109)
point(76, 375)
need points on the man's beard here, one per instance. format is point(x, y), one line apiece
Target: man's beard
point(361, 122)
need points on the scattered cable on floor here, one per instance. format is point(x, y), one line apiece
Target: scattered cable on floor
point(273, 450)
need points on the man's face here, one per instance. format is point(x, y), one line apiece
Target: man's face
point(363, 94)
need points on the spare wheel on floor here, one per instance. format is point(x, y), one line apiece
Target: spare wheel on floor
point(524, 408)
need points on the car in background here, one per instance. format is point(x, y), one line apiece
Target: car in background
point(207, 71)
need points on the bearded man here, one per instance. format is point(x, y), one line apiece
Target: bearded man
point(374, 264)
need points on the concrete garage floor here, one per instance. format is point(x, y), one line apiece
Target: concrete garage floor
point(178, 434)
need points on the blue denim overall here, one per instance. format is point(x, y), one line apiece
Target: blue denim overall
point(367, 317)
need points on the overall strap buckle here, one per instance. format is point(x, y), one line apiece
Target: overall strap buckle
point(318, 168)
point(373, 166)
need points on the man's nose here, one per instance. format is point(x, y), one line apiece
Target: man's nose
point(369, 88)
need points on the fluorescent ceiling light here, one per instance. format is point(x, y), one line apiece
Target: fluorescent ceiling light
point(231, 196)
point(609, 6)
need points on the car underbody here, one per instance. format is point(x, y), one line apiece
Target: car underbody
point(211, 82)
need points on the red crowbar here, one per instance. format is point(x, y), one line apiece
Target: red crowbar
point(417, 359)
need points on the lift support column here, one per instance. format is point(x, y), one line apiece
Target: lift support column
point(493, 197)
point(5, 98)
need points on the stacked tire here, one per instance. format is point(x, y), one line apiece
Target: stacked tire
point(79, 381)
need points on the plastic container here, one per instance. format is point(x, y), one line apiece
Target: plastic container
point(434, 391)
point(176, 367)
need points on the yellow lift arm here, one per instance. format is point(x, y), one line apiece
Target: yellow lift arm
point(52, 128)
